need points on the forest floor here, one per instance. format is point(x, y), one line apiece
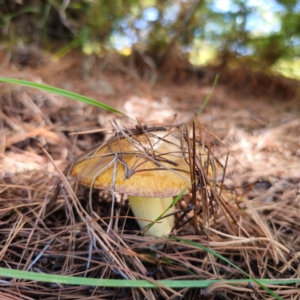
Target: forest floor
point(257, 126)
point(260, 129)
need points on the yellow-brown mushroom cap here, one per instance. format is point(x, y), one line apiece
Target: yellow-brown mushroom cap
point(148, 164)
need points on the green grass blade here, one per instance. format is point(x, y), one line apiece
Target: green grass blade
point(70, 280)
point(61, 92)
point(208, 96)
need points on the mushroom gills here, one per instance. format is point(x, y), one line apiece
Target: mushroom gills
point(150, 209)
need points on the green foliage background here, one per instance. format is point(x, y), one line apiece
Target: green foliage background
point(197, 27)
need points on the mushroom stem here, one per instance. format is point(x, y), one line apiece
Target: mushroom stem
point(150, 209)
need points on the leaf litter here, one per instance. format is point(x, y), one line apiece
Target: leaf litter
point(249, 214)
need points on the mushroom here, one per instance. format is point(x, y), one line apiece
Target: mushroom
point(150, 166)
